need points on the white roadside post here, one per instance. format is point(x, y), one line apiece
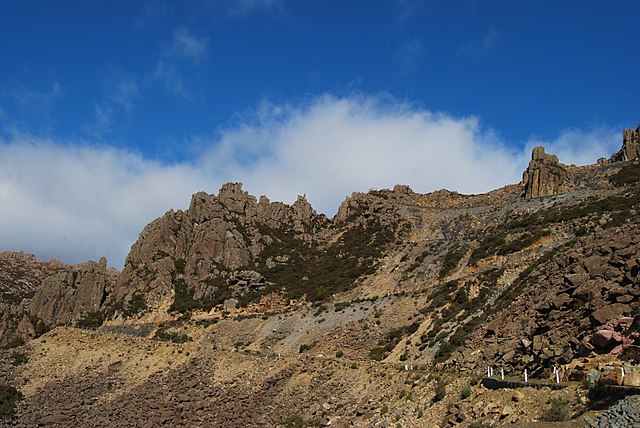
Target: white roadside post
point(526, 378)
point(502, 374)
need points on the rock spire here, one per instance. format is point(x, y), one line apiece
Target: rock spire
point(545, 176)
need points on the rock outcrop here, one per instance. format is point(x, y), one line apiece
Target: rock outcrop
point(67, 296)
point(20, 277)
point(630, 146)
point(269, 301)
point(206, 245)
point(545, 176)
point(579, 303)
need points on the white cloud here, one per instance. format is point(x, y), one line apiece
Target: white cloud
point(333, 146)
point(178, 60)
point(78, 203)
point(170, 76)
point(121, 92)
point(28, 105)
point(81, 202)
point(581, 147)
point(184, 44)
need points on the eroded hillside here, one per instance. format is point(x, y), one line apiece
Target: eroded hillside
point(244, 312)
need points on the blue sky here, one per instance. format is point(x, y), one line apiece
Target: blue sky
point(112, 112)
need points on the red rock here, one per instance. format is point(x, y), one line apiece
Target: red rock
point(605, 338)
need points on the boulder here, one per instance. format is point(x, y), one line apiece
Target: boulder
point(605, 338)
point(608, 313)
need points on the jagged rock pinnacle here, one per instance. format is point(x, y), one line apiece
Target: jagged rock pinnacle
point(545, 176)
point(630, 146)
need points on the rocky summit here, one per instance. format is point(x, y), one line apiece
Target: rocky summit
point(515, 307)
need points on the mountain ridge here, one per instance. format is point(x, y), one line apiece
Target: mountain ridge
point(533, 275)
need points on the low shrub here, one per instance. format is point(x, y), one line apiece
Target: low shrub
point(18, 358)
point(166, 336)
point(451, 260)
point(14, 343)
point(466, 392)
point(557, 411)
point(627, 175)
point(9, 397)
point(305, 347)
point(91, 320)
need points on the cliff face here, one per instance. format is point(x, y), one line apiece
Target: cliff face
point(67, 296)
point(197, 251)
point(20, 276)
point(545, 176)
point(630, 146)
point(37, 295)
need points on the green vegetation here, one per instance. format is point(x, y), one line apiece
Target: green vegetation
point(9, 397)
point(478, 424)
point(14, 343)
point(498, 242)
point(451, 260)
point(384, 409)
point(627, 175)
point(18, 358)
point(455, 302)
point(518, 286)
point(557, 411)
point(136, 305)
point(341, 306)
point(417, 262)
point(390, 340)
point(183, 300)
point(519, 234)
point(339, 354)
point(165, 336)
point(466, 392)
point(319, 272)
point(305, 347)
point(91, 320)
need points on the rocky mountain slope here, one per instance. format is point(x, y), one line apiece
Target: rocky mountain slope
point(244, 312)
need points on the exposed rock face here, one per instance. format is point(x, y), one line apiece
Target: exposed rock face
point(66, 296)
point(20, 276)
point(208, 243)
point(545, 176)
point(577, 304)
point(630, 146)
point(439, 280)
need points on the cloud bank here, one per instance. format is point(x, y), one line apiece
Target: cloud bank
point(75, 201)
